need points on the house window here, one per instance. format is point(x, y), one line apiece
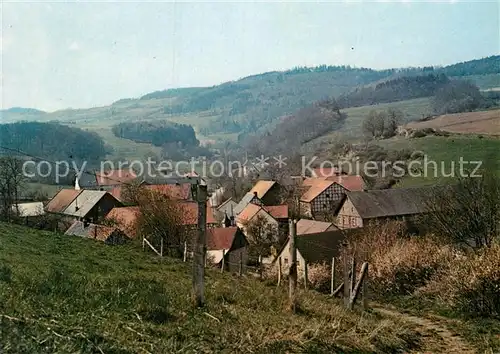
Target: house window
point(353, 221)
point(286, 261)
point(324, 206)
point(298, 264)
point(327, 195)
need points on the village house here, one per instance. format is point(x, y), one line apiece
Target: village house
point(229, 242)
point(359, 208)
point(319, 197)
point(313, 248)
point(91, 205)
point(307, 226)
point(269, 192)
point(258, 215)
point(249, 198)
point(108, 235)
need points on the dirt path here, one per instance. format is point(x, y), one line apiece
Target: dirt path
point(432, 330)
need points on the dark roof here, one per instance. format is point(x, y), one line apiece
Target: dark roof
point(322, 246)
point(392, 202)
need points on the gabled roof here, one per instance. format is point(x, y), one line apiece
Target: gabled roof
point(29, 209)
point(391, 202)
point(189, 213)
point(221, 238)
point(277, 211)
point(305, 226)
point(62, 200)
point(126, 219)
point(84, 202)
point(247, 198)
point(350, 182)
point(317, 187)
point(262, 187)
point(114, 177)
point(249, 212)
point(173, 191)
point(98, 232)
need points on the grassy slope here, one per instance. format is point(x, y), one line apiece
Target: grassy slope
point(67, 294)
point(446, 151)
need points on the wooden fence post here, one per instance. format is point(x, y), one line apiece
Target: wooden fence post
point(161, 247)
point(143, 245)
point(222, 262)
point(200, 247)
point(355, 292)
point(279, 271)
point(365, 288)
point(332, 279)
point(184, 258)
point(241, 265)
point(292, 277)
point(353, 272)
point(306, 278)
point(347, 288)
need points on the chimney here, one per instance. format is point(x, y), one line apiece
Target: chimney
point(77, 185)
point(255, 194)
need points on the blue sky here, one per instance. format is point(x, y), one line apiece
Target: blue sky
point(82, 54)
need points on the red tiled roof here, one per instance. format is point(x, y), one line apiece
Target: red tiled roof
point(317, 187)
point(350, 182)
point(174, 191)
point(114, 177)
point(189, 214)
point(219, 238)
point(277, 211)
point(326, 171)
point(126, 219)
point(62, 200)
point(249, 212)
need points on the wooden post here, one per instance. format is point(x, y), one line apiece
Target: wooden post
point(353, 273)
point(279, 271)
point(332, 279)
point(241, 265)
point(355, 292)
point(161, 247)
point(200, 248)
point(292, 279)
point(347, 287)
point(222, 262)
point(365, 288)
point(184, 258)
point(260, 267)
point(306, 278)
point(143, 245)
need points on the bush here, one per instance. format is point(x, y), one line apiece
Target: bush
point(319, 276)
point(418, 134)
point(471, 285)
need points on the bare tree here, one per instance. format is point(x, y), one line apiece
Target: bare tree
point(11, 181)
point(468, 213)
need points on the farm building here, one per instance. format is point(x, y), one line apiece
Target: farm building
point(313, 248)
point(106, 234)
point(82, 204)
point(227, 207)
point(306, 226)
point(319, 197)
point(230, 242)
point(358, 208)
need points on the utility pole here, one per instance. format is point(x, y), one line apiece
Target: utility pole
point(199, 247)
point(293, 263)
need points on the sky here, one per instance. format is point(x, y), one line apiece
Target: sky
point(56, 55)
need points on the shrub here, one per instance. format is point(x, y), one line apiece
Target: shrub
point(471, 284)
point(418, 134)
point(319, 276)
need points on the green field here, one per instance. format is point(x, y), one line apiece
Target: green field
point(66, 294)
point(446, 152)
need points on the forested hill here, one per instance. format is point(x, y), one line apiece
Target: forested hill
point(52, 141)
point(157, 133)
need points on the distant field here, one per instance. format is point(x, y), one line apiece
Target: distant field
point(484, 122)
point(446, 152)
